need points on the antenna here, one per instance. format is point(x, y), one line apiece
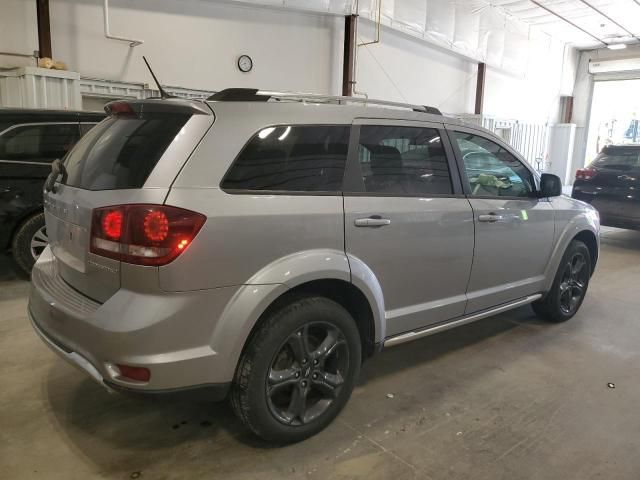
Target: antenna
point(163, 94)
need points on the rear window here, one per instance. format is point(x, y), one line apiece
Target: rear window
point(622, 158)
point(121, 151)
point(291, 159)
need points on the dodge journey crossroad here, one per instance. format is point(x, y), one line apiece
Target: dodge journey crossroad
point(260, 246)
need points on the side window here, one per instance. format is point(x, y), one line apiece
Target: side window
point(41, 143)
point(492, 170)
point(403, 160)
point(292, 159)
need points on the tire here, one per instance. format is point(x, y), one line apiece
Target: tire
point(276, 371)
point(569, 285)
point(28, 242)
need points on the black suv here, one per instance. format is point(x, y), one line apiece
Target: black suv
point(29, 141)
point(611, 183)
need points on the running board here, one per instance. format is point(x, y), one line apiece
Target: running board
point(414, 335)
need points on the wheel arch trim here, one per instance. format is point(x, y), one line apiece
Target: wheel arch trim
point(577, 225)
point(252, 299)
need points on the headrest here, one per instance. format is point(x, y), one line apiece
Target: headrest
point(384, 158)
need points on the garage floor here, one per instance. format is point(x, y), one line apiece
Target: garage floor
point(506, 398)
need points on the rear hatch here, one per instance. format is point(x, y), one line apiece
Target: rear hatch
point(131, 157)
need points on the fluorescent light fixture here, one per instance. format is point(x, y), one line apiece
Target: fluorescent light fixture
point(264, 133)
point(284, 135)
point(617, 46)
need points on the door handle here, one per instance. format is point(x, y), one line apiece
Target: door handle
point(491, 218)
point(372, 221)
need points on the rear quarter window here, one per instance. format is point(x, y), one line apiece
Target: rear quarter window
point(121, 151)
point(290, 158)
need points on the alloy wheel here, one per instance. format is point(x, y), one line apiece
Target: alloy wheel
point(307, 373)
point(573, 283)
point(39, 242)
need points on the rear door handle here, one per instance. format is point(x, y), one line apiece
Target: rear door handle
point(491, 218)
point(372, 221)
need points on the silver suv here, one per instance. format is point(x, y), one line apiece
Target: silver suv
point(261, 246)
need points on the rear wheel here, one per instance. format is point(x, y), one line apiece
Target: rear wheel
point(569, 286)
point(29, 242)
point(298, 370)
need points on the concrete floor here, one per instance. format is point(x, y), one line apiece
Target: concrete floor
point(506, 398)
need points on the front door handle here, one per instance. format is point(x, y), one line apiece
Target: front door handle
point(491, 218)
point(372, 221)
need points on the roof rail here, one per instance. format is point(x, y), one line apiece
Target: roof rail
point(255, 95)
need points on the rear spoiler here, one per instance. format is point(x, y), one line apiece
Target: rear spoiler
point(153, 105)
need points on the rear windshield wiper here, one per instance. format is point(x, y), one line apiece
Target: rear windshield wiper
point(57, 169)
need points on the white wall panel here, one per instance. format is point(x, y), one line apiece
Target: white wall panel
point(18, 32)
point(492, 36)
point(473, 28)
point(195, 44)
point(466, 37)
point(516, 47)
point(410, 16)
point(404, 69)
point(441, 22)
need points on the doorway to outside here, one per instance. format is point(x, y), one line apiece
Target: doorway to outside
point(615, 115)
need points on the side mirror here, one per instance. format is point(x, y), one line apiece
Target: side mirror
point(550, 185)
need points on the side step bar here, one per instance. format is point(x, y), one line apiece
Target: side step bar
point(441, 327)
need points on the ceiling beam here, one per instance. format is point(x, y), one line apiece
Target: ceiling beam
point(569, 22)
point(610, 19)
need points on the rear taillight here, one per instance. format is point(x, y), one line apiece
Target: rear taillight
point(585, 173)
point(143, 234)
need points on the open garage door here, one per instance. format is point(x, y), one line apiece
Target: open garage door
point(615, 115)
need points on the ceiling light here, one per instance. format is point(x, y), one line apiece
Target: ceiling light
point(616, 46)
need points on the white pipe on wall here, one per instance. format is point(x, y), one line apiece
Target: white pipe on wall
point(132, 42)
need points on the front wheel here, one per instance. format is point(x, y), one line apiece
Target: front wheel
point(298, 370)
point(569, 286)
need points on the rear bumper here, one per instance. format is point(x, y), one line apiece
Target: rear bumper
point(168, 333)
point(212, 392)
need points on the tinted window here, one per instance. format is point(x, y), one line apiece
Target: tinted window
point(86, 126)
point(121, 152)
point(40, 143)
point(492, 170)
point(403, 160)
point(292, 158)
point(620, 158)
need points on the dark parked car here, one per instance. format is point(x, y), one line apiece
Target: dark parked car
point(29, 141)
point(611, 183)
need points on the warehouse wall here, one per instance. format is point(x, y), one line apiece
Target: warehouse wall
point(535, 96)
point(195, 44)
point(18, 32)
point(403, 68)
